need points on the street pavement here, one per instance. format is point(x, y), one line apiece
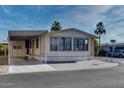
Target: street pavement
point(98, 78)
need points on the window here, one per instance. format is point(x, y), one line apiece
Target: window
point(76, 44)
point(37, 43)
point(62, 44)
point(86, 45)
point(19, 47)
point(68, 44)
point(14, 47)
point(80, 44)
point(53, 43)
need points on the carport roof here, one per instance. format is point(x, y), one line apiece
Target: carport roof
point(25, 34)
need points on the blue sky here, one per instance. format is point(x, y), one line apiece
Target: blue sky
point(81, 17)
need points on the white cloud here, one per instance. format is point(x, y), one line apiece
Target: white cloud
point(85, 16)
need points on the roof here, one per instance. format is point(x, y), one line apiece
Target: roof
point(74, 29)
point(25, 34)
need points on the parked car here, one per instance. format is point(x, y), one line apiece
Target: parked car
point(103, 53)
point(117, 53)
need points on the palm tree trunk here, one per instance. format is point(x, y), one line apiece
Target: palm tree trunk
point(99, 41)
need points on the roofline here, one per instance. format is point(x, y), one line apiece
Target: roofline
point(80, 31)
point(16, 31)
point(76, 30)
point(46, 31)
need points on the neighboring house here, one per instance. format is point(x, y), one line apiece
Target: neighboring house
point(108, 46)
point(65, 45)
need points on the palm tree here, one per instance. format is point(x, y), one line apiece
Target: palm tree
point(99, 31)
point(56, 26)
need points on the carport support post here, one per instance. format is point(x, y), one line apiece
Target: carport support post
point(45, 49)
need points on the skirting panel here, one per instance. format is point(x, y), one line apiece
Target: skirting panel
point(56, 58)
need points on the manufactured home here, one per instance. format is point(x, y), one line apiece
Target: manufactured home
point(66, 45)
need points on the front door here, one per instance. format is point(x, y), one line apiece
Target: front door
point(17, 50)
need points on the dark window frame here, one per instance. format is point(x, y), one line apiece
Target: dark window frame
point(61, 45)
point(19, 47)
point(86, 45)
point(78, 45)
point(54, 44)
point(70, 45)
point(82, 44)
point(15, 47)
point(65, 48)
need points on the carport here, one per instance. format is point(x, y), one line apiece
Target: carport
point(20, 46)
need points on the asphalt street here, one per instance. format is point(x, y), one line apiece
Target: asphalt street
point(100, 78)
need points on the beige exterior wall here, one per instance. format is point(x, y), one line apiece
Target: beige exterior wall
point(68, 55)
point(38, 53)
point(91, 47)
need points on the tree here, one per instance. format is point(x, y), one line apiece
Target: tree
point(3, 49)
point(56, 26)
point(99, 31)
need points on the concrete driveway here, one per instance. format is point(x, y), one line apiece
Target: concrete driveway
point(3, 64)
point(13, 69)
point(3, 60)
point(79, 65)
point(87, 64)
point(27, 66)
